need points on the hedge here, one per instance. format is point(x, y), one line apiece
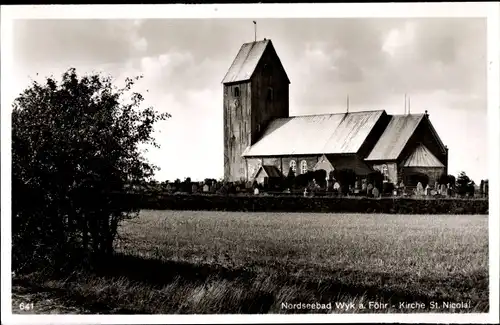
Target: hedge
point(311, 204)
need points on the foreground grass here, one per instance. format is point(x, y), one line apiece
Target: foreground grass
point(217, 262)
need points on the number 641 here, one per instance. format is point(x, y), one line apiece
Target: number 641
point(26, 306)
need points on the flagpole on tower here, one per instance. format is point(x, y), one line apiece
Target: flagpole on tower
point(255, 30)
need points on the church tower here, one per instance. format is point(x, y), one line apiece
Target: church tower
point(256, 91)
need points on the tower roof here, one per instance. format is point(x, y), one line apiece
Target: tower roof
point(246, 61)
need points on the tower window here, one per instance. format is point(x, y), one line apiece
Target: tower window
point(303, 167)
point(236, 91)
point(270, 94)
point(293, 166)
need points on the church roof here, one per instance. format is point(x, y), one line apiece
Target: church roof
point(350, 162)
point(422, 157)
point(342, 133)
point(395, 137)
point(271, 171)
point(246, 61)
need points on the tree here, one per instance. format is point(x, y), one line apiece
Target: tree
point(320, 177)
point(290, 178)
point(345, 177)
point(76, 144)
point(447, 179)
point(464, 184)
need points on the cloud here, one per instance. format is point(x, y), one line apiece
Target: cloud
point(440, 62)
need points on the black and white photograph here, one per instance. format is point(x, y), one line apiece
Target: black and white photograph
point(229, 162)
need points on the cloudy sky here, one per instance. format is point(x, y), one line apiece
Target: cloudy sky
point(440, 63)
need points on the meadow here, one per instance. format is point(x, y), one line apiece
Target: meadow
point(240, 262)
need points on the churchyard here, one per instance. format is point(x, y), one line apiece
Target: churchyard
point(236, 262)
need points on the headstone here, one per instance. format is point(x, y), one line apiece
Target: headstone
point(336, 186)
point(256, 191)
point(420, 189)
point(356, 184)
point(375, 192)
point(363, 187)
point(305, 192)
point(443, 190)
point(369, 187)
point(194, 188)
point(427, 190)
point(206, 188)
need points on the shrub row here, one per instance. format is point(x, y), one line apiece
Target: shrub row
point(312, 204)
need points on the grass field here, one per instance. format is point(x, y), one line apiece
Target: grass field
point(228, 262)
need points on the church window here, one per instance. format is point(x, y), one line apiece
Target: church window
point(270, 94)
point(293, 165)
point(303, 167)
point(236, 91)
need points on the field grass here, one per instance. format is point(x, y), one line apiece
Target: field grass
point(229, 262)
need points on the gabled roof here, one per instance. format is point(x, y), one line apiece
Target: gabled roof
point(396, 135)
point(422, 157)
point(246, 61)
point(342, 133)
point(271, 171)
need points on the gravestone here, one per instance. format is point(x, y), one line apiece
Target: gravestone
point(375, 192)
point(206, 188)
point(443, 190)
point(420, 189)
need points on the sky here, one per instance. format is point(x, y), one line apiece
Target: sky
point(439, 62)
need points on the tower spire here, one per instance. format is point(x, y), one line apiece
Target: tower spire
point(255, 30)
point(347, 103)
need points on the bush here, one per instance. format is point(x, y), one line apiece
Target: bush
point(74, 147)
point(388, 188)
point(345, 177)
point(375, 178)
point(298, 203)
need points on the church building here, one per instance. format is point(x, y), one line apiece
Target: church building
point(261, 139)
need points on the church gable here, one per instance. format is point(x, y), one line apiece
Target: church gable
point(323, 163)
point(422, 157)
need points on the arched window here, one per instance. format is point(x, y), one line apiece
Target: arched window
point(293, 165)
point(236, 91)
point(303, 167)
point(385, 172)
point(270, 94)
